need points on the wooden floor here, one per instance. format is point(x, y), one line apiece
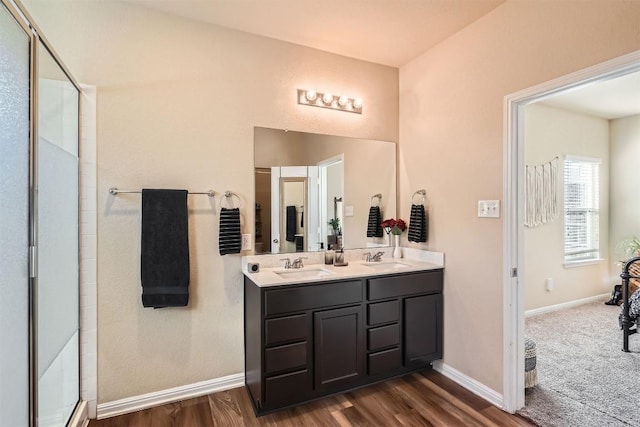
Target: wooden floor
point(422, 399)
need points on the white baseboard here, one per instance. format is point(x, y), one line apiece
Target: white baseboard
point(564, 305)
point(469, 383)
point(149, 400)
point(144, 401)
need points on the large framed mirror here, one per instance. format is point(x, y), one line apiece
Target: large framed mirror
point(314, 191)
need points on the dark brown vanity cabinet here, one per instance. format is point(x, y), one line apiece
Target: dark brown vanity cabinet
point(305, 341)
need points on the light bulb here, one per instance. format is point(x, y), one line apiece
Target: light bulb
point(327, 98)
point(311, 95)
point(357, 103)
point(343, 101)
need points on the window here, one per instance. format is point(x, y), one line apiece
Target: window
point(581, 209)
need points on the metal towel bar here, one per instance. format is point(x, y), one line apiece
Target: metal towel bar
point(113, 191)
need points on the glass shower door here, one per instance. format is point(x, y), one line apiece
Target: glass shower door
point(57, 298)
point(14, 221)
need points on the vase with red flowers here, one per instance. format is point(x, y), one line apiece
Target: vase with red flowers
point(394, 227)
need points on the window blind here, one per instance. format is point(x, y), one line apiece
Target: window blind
point(581, 209)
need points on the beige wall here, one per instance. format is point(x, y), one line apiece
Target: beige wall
point(273, 147)
point(451, 143)
point(177, 103)
point(625, 190)
point(551, 132)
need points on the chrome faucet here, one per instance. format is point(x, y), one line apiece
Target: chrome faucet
point(287, 262)
point(377, 256)
point(297, 263)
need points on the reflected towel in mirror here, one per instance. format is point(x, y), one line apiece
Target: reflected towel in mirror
point(291, 224)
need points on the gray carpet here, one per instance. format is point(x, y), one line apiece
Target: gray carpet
point(585, 379)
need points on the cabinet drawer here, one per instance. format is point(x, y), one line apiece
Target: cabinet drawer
point(384, 336)
point(287, 389)
point(383, 312)
point(285, 357)
point(285, 329)
point(406, 284)
point(385, 361)
point(299, 298)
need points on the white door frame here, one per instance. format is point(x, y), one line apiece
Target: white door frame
point(513, 192)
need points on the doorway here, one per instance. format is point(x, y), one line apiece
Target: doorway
point(514, 167)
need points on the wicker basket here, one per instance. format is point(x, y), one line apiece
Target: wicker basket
point(530, 369)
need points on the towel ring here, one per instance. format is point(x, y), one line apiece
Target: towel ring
point(376, 196)
point(227, 195)
point(422, 193)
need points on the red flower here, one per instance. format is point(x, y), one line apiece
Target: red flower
point(388, 223)
point(394, 226)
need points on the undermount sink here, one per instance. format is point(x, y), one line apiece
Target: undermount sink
point(304, 273)
point(387, 265)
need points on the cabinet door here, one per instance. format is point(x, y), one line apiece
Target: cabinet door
point(422, 329)
point(339, 348)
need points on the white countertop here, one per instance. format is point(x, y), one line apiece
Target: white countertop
point(316, 271)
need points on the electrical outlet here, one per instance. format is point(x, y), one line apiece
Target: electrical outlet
point(246, 242)
point(549, 284)
point(488, 208)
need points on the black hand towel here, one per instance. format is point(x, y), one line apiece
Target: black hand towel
point(165, 248)
point(291, 224)
point(374, 229)
point(230, 241)
point(418, 224)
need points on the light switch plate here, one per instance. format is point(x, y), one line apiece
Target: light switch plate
point(348, 211)
point(488, 208)
point(246, 242)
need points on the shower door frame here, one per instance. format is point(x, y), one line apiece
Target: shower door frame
point(36, 40)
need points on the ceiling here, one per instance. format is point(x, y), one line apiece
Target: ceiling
point(610, 99)
point(389, 32)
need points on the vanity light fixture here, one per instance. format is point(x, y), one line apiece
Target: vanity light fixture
point(327, 100)
point(310, 95)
